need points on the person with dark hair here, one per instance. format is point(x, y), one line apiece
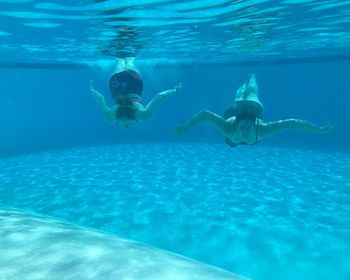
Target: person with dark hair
point(242, 122)
point(126, 87)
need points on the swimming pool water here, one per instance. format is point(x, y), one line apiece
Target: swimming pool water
point(266, 213)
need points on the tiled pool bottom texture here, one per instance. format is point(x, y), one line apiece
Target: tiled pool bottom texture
point(265, 213)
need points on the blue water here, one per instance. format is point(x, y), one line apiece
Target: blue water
point(50, 109)
point(173, 31)
point(275, 210)
point(267, 213)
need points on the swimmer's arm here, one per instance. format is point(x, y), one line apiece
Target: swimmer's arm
point(272, 128)
point(205, 116)
point(108, 112)
point(149, 109)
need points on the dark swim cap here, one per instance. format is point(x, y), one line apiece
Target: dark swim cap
point(125, 112)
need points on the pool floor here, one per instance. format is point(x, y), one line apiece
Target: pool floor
point(266, 213)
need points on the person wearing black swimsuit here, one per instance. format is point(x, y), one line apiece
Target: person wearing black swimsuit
point(126, 87)
point(242, 122)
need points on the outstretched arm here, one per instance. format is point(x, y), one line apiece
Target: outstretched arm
point(205, 116)
point(271, 128)
point(107, 111)
point(149, 109)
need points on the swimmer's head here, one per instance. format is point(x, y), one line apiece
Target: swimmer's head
point(125, 116)
point(125, 123)
point(245, 128)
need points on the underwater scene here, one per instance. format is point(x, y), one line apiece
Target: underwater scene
point(174, 139)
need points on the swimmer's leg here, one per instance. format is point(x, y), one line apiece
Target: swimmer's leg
point(240, 93)
point(120, 65)
point(252, 88)
point(130, 64)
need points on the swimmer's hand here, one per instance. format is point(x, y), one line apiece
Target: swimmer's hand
point(327, 128)
point(171, 92)
point(180, 129)
point(94, 92)
point(178, 87)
